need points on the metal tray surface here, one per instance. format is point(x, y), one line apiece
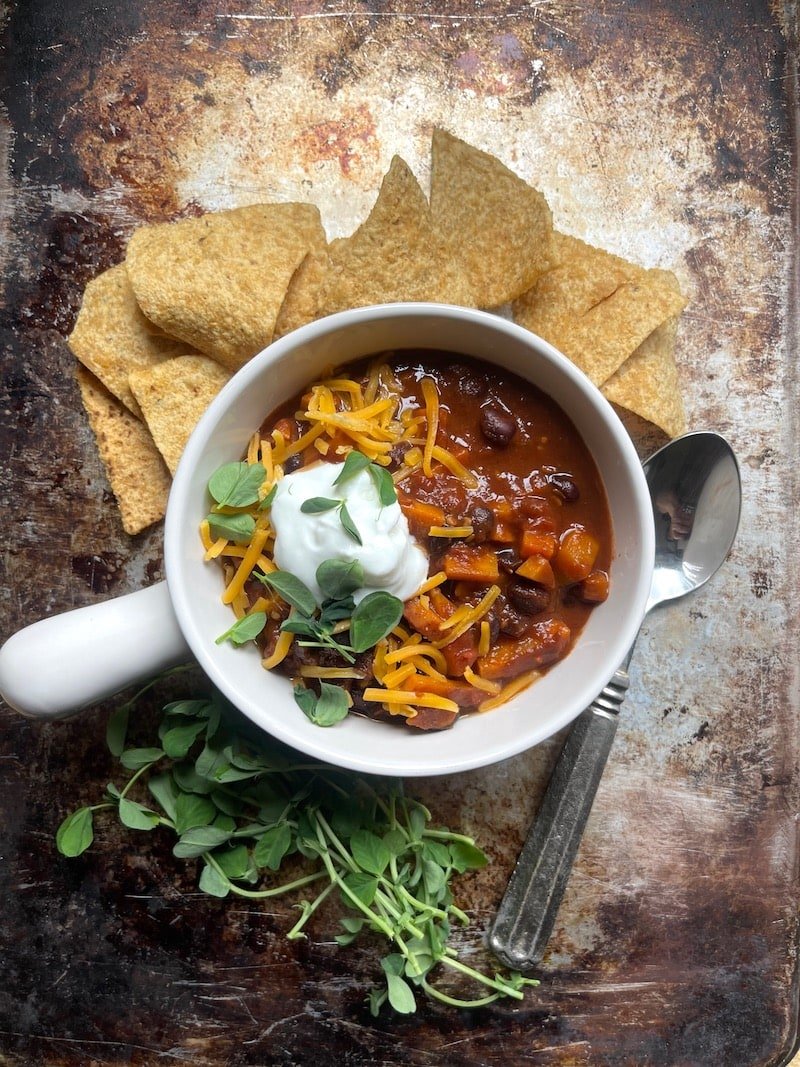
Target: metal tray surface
point(661, 129)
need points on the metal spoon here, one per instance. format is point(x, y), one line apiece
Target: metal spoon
point(696, 493)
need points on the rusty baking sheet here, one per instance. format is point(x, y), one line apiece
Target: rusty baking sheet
point(661, 129)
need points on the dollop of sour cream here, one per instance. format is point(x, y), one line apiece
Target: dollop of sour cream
point(391, 558)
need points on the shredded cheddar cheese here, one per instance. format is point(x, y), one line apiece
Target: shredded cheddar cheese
point(516, 685)
point(280, 653)
point(450, 531)
point(473, 616)
point(481, 683)
point(407, 696)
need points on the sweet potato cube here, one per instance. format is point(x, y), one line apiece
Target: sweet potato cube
point(594, 588)
point(576, 554)
point(461, 653)
point(422, 617)
point(432, 719)
point(504, 532)
point(537, 569)
point(536, 542)
point(466, 696)
point(544, 643)
point(420, 515)
point(471, 563)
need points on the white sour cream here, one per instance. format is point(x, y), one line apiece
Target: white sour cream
point(391, 558)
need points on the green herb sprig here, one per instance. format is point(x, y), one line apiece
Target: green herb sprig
point(242, 806)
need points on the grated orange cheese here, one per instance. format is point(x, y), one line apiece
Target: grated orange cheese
point(404, 696)
point(395, 678)
point(280, 652)
point(447, 459)
point(412, 650)
point(249, 561)
point(485, 640)
point(450, 531)
point(432, 582)
point(431, 396)
point(472, 616)
point(515, 686)
point(481, 683)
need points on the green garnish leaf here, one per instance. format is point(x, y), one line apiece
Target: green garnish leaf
point(268, 499)
point(306, 699)
point(177, 741)
point(136, 758)
point(75, 833)
point(467, 857)
point(198, 840)
point(273, 846)
point(214, 883)
point(316, 505)
point(165, 792)
point(348, 525)
point(291, 589)
point(245, 629)
point(363, 886)
point(370, 852)
point(384, 483)
point(354, 462)
point(236, 485)
point(135, 816)
point(375, 617)
point(339, 578)
point(239, 527)
point(235, 862)
point(117, 729)
point(192, 810)
point(332, 705)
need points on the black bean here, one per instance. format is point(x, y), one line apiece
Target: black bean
point(508, 560)
point(292, 463)
point(528, 597)
point(564, 485)
point(481, 520)
point(512, 622)
point(498, 426)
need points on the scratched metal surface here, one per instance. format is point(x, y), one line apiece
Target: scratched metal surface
point(661, 129)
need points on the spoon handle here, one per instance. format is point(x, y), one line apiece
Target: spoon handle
point(528, 909)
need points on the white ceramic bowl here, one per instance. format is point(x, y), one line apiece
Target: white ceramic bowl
point(158, 623)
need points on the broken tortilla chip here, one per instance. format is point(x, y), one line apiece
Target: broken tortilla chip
point(647, 383)
point(173, 396)
point(303, 294)
point(217, 281)
point(135, 469)
point(394, 256)
point(496, 227)
point(111, 335)
point(595, 307)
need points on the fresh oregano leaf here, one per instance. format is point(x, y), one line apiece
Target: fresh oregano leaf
point(193, 810)
point(213, 883)
point(177, 741)
point(245, 629)
point(291, 589)
point(355, 461)
point(239, 527)
point(384, 483)
point(236, 485)
point(117, 729)
point(348, 525)
point(332, 705)
point(75, 833)
point(369, 852)
point(164, 791)
point(316, 505)
point(135, 758)
point(375, 616)
point(198, 840)
point(338, 578)
point(135, 816)
point(273, 846)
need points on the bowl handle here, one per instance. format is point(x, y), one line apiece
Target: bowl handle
point(55, 667)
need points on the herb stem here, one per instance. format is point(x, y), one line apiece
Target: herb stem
point(342, 852)
point(494, 983)
point(308, 911)
point(263, 894)
point(134, 777)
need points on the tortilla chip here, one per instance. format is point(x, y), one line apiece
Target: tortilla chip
point(173, 396)
point(218, 281)
point(497, 228)
point(647, 383)
point(595, 307)
point(303, 294)
point(394, 256)
point(111, 336)
point(136, 471)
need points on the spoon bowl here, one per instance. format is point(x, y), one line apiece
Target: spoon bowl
point(696, 494)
